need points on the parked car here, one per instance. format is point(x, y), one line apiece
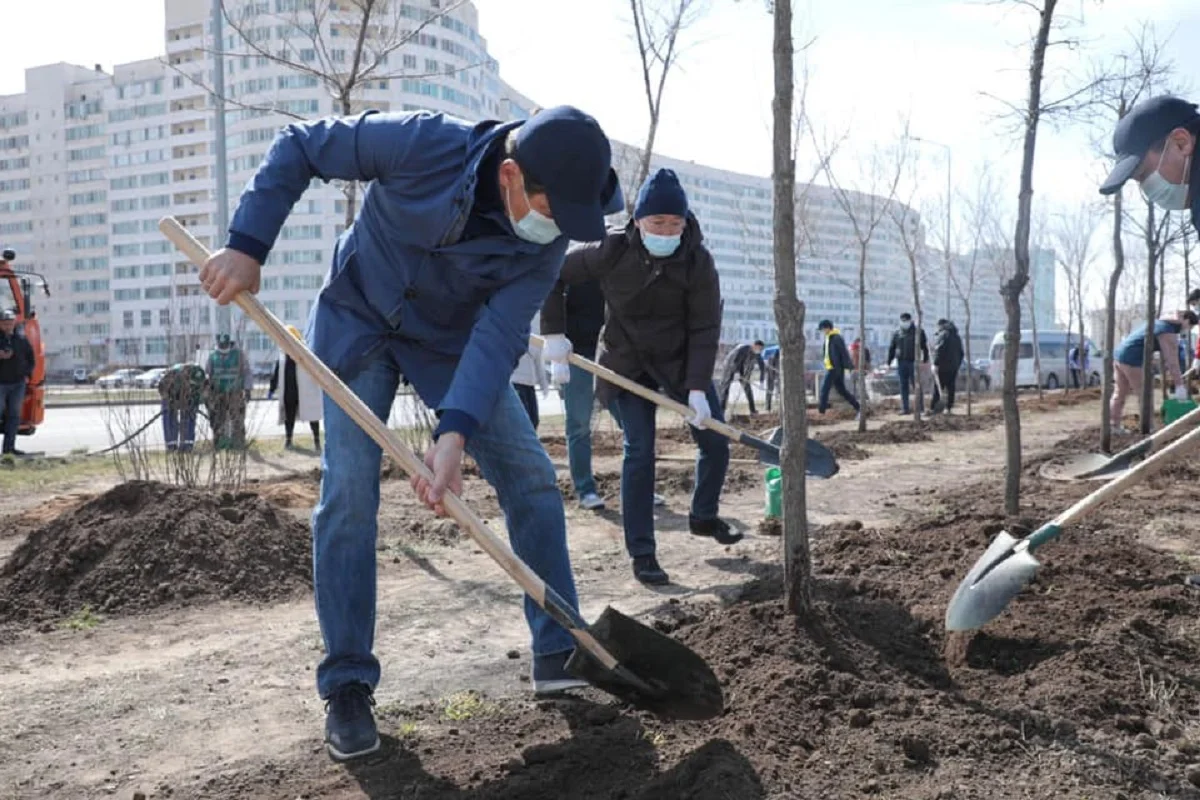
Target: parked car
point(118, 379)
point(884, 382)
point(81, 375)
point(1053, 347)
point(150, 378)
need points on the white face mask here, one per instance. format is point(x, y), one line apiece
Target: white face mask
point(535, 226)
point(1163, 193)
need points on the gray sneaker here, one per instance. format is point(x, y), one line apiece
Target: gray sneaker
point(659, 500)
point(592, 502)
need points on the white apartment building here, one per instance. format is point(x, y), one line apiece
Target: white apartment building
point(89, 162)
point(990, 267)
point(734, 211)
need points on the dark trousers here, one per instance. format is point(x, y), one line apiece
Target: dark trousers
point(727, 381)
point(835, 379)
point(906, 371)
point(289, 424)
point(637, 470)
point(946, 384)
point(12, 396)
point(528, 396)
point(772, 385)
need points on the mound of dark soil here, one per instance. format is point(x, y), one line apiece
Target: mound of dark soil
point(1085, 687)
point(980, 420)
point(844, 445)
point(143, 545)
point(669, 478)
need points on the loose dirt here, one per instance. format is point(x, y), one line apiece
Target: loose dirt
point(1087, 687)
point(143, 545)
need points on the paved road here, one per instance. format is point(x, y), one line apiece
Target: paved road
point(96, 427)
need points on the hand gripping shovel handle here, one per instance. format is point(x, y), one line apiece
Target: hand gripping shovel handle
point(349, 402)
point(728, 431)
point(1141, 472)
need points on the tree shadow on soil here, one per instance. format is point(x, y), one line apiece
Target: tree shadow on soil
point(606, 755)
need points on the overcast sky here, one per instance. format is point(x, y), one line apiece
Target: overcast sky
point(873, 63)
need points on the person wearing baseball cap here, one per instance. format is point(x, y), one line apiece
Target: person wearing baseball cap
point(1155, 144)
point(461, 234)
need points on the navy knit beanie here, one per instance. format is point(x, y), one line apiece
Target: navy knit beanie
point(661, 194)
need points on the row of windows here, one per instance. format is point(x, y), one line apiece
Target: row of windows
point(142, 248)
point(133, 181)
point(14, 163)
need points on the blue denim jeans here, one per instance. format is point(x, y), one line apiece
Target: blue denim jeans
point(345, 526)
point(578, 398)
point(637, 470)
point(12, 396)
point(176, 422)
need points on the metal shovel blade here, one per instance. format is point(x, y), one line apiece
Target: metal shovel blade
point(1096, 466)
point(655, 672)
point(819, 460)
point(996, 578)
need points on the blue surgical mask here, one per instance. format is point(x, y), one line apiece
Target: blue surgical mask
point(535, 226)
point(1163, 193)
point(660, 246)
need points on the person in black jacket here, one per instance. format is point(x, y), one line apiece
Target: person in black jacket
point(947, 359)
point(837, 361)
point(16, 365)
point(739, 365)
point(903, 351)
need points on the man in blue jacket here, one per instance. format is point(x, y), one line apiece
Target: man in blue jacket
point(460, 236)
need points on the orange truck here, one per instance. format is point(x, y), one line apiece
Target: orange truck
point(16, 295)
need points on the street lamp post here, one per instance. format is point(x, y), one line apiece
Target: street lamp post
point(949, 200)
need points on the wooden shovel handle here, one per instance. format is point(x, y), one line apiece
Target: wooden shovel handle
point(391, 444)
point(1141, 472)
point(628, 385)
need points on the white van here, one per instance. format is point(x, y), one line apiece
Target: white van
point(1053, 347)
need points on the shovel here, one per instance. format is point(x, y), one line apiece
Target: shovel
point(819, 460)
point(617, 654)
point(1093, 466)
point(1008, 563)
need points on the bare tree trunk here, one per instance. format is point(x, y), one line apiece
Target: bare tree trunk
point(912, 272)
point(1110, 329)
point(789, 313)
point(862, 335)
point(1012, 288)
point(967, 345)
point(1146, 421)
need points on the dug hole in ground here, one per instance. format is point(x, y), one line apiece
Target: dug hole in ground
point(158, 642)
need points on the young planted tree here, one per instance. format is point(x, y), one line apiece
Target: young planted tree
point(348, 47)
point(658, 27)
point(1031, 116)
point(789, 316)
point(867, 208)
point(920, 265)
point(1073, 233)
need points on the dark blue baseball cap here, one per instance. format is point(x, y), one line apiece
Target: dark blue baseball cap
point(565, 150)
point(1146, 124)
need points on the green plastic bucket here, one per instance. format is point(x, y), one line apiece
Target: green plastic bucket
point(774, 479)
point(1173, 409)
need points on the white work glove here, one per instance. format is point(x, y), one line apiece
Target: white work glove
point(556, 349)
point(560, 373)
point(699, 404)
point(1181, 393)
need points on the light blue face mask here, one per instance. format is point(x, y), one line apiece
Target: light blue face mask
point(660, 246)
point(534, 227)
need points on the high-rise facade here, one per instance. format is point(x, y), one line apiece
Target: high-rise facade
point(90, 161)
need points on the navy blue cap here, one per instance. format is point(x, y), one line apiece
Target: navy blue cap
point(565, 150)
point(661, 194)
point(1145, 125)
